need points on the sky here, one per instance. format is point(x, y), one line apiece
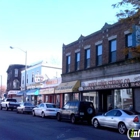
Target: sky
point(40, 27)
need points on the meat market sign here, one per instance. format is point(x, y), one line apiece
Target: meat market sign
point(112, 83)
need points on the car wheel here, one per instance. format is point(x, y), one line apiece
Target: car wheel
point(73, 119)
point(6, 108)
point(43, 115)
point(96, 123)
point(89, 110)
point(122, 128)
point(33, 113)
point(58, 117)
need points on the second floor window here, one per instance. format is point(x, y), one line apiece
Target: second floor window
point(129, 44)
point(68, 64)
point(16, 72)
point(77, 63)
point(99, 55)
point(87, 58)
point(113, 50)
point(32, 77)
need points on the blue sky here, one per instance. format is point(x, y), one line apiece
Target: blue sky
point(40, 27)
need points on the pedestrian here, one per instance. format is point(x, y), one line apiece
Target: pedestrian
point(110, 107)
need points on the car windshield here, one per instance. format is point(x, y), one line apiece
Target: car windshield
point(27, 104)
point(50, 106)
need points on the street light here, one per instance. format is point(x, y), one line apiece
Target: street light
point(25, 65)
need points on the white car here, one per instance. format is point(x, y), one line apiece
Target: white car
point(45, 109)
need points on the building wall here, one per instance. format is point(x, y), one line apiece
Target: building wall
point(116, 31)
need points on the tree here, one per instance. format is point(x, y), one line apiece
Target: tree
point(130, 10)
point(2, 90)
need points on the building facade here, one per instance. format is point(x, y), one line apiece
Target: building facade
point(36, 75)
point(14, 80)
point(107, 75)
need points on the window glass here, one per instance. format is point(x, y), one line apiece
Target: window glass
point(123, 98)
point(99, 50)
point(113, 45)
point(75, 96)
point(88, 53)
point(66, 106)
point(111, 113)
point(16, 72)
point(129, 40)
point(66, 98)
point(78, 56)
point(68, 59)
point(118, 113)
point(50, 106)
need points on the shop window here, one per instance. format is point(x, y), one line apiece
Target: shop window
point(58, 100)
point(123, 98)
point(91, 97)
point(66, 98)
point(75, 96)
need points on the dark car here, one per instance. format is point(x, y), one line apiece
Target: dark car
point(25, 107)
point(76, 111)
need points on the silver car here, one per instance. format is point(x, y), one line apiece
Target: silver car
point(25, 107)
point(45, 109)
point(119, 119)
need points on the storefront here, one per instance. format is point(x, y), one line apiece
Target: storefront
point(48, 92)
point(33, 96)
point(69, 90)
point(13, 94)
point(121, 92)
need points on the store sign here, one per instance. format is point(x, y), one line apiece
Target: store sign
point(13, 92)
point(47, 91)
point(38, 78)
point(112, 83)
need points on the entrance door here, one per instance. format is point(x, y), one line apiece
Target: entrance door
point(105, 98)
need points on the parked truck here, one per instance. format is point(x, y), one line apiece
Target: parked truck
point(9, 104)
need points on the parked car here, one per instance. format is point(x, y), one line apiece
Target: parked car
point(45, 109)
point(9, 103)
point(25, 107)
point(77, 110)
point(118, 119)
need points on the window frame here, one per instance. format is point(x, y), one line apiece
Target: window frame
point(112, 51)
point(68, 62)
point(77, 61)
point(99, 56)
point(87, 58)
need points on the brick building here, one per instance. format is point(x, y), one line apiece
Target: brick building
point(94, 68)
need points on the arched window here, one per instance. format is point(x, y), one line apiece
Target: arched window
point(16, 84)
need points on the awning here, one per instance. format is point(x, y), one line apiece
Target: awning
point(68, 87)
point(33, 92)
point(22, 92)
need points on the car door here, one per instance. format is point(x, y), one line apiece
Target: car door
point(41, 107)
point(65, 110)
point(116, 119)
point(37, 108)
point(109, 118)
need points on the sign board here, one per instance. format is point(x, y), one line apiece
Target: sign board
point(38, 78)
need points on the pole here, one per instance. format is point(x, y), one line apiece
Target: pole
point(25, 75)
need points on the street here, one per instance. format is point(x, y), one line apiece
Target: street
point(15, 126)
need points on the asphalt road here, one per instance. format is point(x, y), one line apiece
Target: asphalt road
point(15, 126)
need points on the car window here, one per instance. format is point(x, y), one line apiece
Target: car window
point(119, 113)
point(27, 104)
point(50, 106)
point(72, 105)
point(111, 113)
point(130, 112)
point(41, 105)
point(66, 106)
